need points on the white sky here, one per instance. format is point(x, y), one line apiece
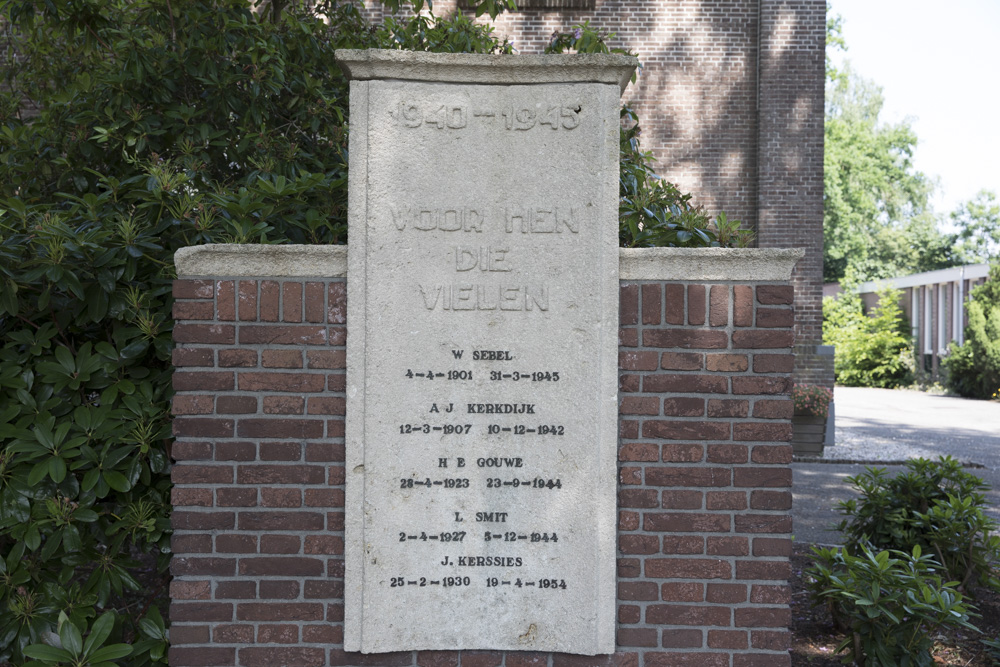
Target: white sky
point(938, 63)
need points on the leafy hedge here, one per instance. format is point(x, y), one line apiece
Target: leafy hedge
point(164, 124)
point(973, 368)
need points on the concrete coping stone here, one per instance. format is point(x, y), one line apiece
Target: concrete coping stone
point(362, 65)
point(635, 264)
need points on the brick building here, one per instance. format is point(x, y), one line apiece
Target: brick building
point(730, 97)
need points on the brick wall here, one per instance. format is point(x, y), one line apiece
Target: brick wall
point(730, 97)
point(258, 498)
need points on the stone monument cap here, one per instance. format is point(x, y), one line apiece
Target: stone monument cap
point(369, 64)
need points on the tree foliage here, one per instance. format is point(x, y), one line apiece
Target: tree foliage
point(872, 350)
point(161, 124)
point(973, 368)
point(978, 228)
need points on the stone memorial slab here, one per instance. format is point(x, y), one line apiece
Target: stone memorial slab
point(482, 354)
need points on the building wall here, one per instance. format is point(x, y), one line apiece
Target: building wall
point(730, 99)
point(704, 478)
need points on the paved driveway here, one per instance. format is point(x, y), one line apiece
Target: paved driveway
point(883, 425)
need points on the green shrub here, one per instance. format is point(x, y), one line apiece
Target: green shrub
point(973, 368)
point(871, 351)
point(890, 603)
point(162, 124)
point(934, 505)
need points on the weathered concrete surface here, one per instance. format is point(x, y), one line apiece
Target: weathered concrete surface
point(894, 425)
point(751, 264)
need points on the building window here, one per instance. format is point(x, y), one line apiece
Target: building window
point(928, 327)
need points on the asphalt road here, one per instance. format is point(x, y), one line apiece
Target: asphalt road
point(881, 426)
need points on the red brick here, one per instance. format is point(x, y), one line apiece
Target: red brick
point(324, 451)
point(187, 404)
point(325, 589)
point(226, 300)
point(281, 497)
point(326, 359)
point(695, 384)
point(683, 407)
point(286, 656)
point(191, 451)
point(235, 451)
point(639, 451)
point(775, 295)
point(679, 639)
point(728, 454)
point(278, 634)
point(683, 544)
point(772, 546)
point(674, 312)
point(688, 568)
point(200, 590)
point(329, 545)
point(292, 302)
point(198, 356)
point(193, 310)
point(627, 614)
point(764, 570)
point(696, 304)
point(725, 407)
point(773, 363)
point(269, 301)
point(718, 306)
point(283, 335)
point(770, 500)
point(202, 567)
point(639, 405)
point(193, 289)
point(200, 611)
point(766, 617)
point(638, 498)
point(682, 591)
point(743, 306)
point(281, 359)
point(336, 382)
point(338, 303)
point(682, 361)
point(686, 659)
point(628, 520)
point(628, 429)
point(199, 543)
point(237, 358)
point(726, 593)
point(189, 634)
point(726, 500)
point(200, 656)
point(763, 477)
point(638, 590)
point(775, 318)
point(292, 382)
point(280, 474)
point(246, 299)
point(648, 637)
point(681, 500)
point(280, 521)
point(281, 428)
point(280, 451)
point(688, 476)
point(727, 546)
point(327, 405)
point(315, 302)
point(236, 544)
point(675, 614)
point(279, 611)
point(280, 544)
point(202, 427)
point(202, 381)
point(630, 475)
point(323, 634)
point(772, 409)
point(685, 430)
point(629, 383)
point(651, 304)
point(288, 566)
point(629, 568)
point(339, 658)
point(770, 594)
point(284, 405)
point(763, 523)
point(628, 337)
point(690, 338)
point(726, 363)
point(634, 360)
point(761, 385)
point(762, 340)
point(613, 660)
point(236, 405)
point(683, 453)
point(638, 544)
point(676, 522)
point(202, 520)
point(236, 497)
point(731, 639)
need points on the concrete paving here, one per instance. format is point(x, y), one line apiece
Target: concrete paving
point(880, 426)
